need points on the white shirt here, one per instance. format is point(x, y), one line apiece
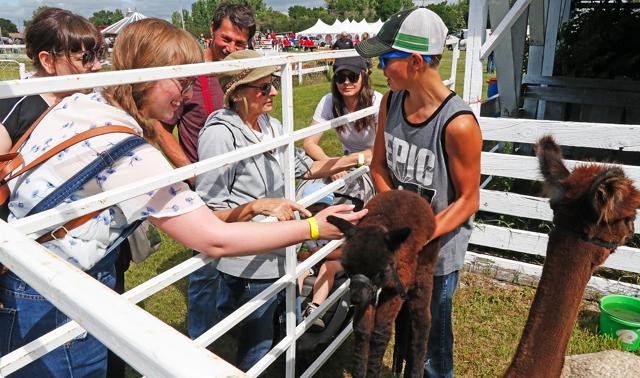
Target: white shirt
point(352, 140)
point(86, 245)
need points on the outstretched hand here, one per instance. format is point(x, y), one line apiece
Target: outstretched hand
point(281, 208)
point(329, 231)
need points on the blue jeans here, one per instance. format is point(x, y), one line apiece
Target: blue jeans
point(202, 293)
point(255, 333)
point(26, 315)
point(439, 358)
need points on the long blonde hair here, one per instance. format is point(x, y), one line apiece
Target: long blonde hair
point(150, 42)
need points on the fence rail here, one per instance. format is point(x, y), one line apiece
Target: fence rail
point(610, 137)
point(110, 332)
point(155, 349)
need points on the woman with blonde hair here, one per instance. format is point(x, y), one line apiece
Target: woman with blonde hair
point(175, 209)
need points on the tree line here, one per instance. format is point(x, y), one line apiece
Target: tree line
point(198, 18)
point(300, 17)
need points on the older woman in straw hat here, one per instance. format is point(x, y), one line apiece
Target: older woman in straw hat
point(250, 189)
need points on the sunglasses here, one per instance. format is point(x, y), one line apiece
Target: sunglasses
point(384, 58)
point(265, 88)
point(342, 76)
point(185, 83)
point(88, 56)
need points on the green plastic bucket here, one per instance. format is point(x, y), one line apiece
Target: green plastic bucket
point(620, 318)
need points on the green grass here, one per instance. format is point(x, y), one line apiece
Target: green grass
point(488, 315)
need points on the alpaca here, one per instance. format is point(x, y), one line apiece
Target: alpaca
point(390, 261)
point(594, 208)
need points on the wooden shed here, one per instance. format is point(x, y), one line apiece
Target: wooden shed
point(527, 31)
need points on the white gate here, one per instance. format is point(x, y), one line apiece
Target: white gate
point(154, 348)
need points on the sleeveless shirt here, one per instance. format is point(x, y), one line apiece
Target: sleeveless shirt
point(417, 161)
point(19, 113)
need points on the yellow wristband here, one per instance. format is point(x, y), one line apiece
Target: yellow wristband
point(314, 231)
point(360, 159)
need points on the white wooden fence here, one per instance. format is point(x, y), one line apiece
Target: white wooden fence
point(155, 349)
point(594, 135)
point(130, 331)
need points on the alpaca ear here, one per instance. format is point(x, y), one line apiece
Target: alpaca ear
point(346, 227)
point(604, 193)
point(551, 166)
point(396, 236)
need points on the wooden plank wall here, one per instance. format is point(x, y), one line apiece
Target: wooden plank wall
point(583, 100)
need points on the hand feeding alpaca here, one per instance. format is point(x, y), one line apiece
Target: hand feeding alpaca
point(390, 264)
point(594, 208)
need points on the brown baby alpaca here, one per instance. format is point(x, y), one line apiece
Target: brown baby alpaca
point(388, 251)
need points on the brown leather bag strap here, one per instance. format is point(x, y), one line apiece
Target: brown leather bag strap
point(27, 133)
point(63, 230)
point(70, 142)
point(9, 166)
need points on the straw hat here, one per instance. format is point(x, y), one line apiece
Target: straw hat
point(230, 80)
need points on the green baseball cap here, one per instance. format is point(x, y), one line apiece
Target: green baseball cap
point(418, 30)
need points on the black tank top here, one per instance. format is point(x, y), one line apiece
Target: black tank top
point(18, 114)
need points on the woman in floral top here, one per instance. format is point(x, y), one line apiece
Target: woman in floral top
point(175, 209)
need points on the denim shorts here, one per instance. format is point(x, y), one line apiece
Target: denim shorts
point(26, 315)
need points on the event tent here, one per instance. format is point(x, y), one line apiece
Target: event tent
point(318, 28)
point(352, 27)
point(116, 28)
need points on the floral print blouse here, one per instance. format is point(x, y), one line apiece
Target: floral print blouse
point(86, 245)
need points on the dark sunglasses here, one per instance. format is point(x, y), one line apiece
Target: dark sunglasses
point(185, 83)
point(342, 76)
point(89, 56)
point(265, 88)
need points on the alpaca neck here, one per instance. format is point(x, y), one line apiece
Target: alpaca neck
point(565, 275)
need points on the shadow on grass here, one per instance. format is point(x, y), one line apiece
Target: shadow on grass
point(588, 320)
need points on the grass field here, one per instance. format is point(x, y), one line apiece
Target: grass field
point(488, 315)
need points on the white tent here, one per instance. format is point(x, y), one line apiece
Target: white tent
point(319, 28)
point(362, 26)
point(131, 17)
point(337, 25)
point(352, 27)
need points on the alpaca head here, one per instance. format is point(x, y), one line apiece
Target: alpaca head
point(595, 201)
point(368, 256)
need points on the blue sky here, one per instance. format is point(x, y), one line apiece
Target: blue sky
point(19, 10)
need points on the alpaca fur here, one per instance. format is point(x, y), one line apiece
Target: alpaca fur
point(591, 203)
point(393, 235)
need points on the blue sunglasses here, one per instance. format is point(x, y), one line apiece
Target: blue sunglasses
point(397, 54)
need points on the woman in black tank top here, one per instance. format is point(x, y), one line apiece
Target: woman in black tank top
point(62, 54)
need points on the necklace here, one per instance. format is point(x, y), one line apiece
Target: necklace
point(260, 135)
